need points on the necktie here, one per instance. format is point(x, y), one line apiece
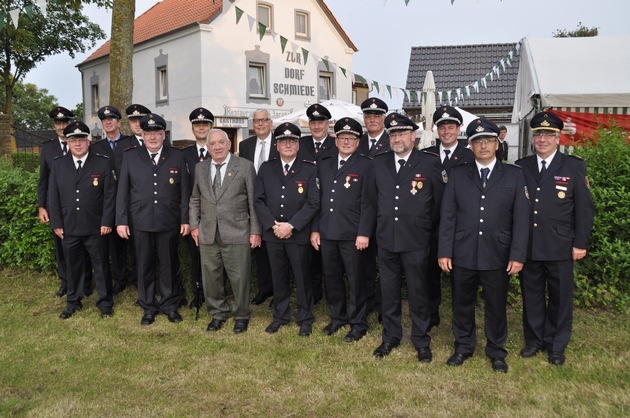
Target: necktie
point(141, 141)
point(216, 184)
point(202, 154)
point(484, 175)
point(543, 167)
point(341, 163)
point(402, 164)
point(317, 146)
point(112, 144)
point(65, 148)
point(261, 155)
point(153, 158)
point(286, 169)
point(372, 143)
point(79, 162)
point(446, 152)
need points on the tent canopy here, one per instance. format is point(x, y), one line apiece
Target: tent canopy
point(572, 73)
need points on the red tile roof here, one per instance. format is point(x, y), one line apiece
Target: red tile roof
point(170, 15)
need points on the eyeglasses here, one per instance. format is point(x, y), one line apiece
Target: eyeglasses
point(77, 139)
point(262, 120)
point(484, 141)
point(155, 134)
point(540, 135)
point(350, 140)
point(287, 141)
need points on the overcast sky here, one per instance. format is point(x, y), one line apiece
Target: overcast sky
point(385, 30)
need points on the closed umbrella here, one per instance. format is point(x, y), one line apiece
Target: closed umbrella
point(428, 109)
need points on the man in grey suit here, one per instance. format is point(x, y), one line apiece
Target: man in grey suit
point(225, 226)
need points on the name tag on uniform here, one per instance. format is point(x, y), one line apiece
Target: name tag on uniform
point(561, 187)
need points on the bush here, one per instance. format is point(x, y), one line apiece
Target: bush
point(25, 242)
point(27, 161)
point(603, 277)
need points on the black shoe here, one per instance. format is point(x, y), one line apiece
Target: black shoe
point(107, 313)
point(240, 326)
point(384, 349)
point(260, 298)
point(353, 336)
point(273, 327)
point(147, 319)
point(61, 292)
point(499, 365)
point(425, 355)
point(305, 330)
point(331, 328)
point(118, 288)
point(174, 317)
point(556, 358)
point(215, 325)
point(530, 351)
point(458, 359)
point(68, 312)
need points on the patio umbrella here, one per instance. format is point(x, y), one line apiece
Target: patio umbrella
point(428, 108)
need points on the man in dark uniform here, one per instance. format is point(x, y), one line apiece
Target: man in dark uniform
point(503, 151)
point(82, 198)
point(374, 141)
point(409, 186)
point(484, 228)
point(51, 149)
point(258, 149)
point(201, 120)
point(342, 230)
point(152, 205)
point(563, 214)
point(287, 199)
point(448, 121)
point(313, 148)
point(110, 121)
point(134, 112)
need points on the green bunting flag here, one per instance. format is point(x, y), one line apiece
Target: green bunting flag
point(239, 14)
point(305, 55)
point(389, 90)
point(3, 19)
point(378, 90)
point(29, 10)
point(283, 43)
point(325, 61)
point(261, 30)
point(343, 70)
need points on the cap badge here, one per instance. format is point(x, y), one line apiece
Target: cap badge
point(479, 129)
point(77, 131)
point(394, 123)
point(135, 113)
point(545, 123)
point(446, 115)
point(316, 113)
point(373, 105)
point(151, 122)
point(287, 132)
point(346, 127)
point(60, 115)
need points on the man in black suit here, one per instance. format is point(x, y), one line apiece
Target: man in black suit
point(374, 141)
point(409, 186)
point(258, 149)
point(502, 152)
point(50, 150)
point(313, 148)
point(110, 122)
point(563, 214)
point(134, 112)
point(152, 204)
point(342, 230)
point(484, 227)
point(448, 121)
point(82, 197)
point(201, 120)
point(287, 199)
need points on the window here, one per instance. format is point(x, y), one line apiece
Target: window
point(95, 98)
point(265, 15)
point(161, 79)
point(302, 24)
point(256, 80)
point(325, 86)
point(162, 84)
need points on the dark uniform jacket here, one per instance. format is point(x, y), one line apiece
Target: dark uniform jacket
point(293, 198)
point(562, 205)
point(191, 157)
point(49, 151)
point(381, 146)
point(153, 198)
point(502, 151)
point(462, 155)
point(348, 207)
point(247, 148)
point(408, 201)
point(81, 203)
point(483, 229)
point(307, 149)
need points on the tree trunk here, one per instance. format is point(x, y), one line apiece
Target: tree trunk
point(121, 57)
point(7, 141)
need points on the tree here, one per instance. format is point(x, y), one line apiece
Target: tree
point(31, 106)
point(581, 32)
point(121, 54)
point(64, 29)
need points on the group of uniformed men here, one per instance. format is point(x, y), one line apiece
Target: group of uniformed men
point(323, 208)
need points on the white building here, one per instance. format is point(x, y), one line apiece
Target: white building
point(191, 53)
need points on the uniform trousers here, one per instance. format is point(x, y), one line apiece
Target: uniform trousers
point(434, 277)
point(236, 259)
point(263, 270)
point(465, 284)
point(315, 274)
point(163, 244)
point(118, 256)
point(60, 259)
point(97, 248)
point(373, 288)
point(337, 256)
point(298, 257)
point(413, 264)
point(195, 263)
point(547, 321)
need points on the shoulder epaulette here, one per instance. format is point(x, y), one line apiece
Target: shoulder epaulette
point(327, 157)
point(309, 162)
point(366, 156)
point(430, 153)
point(575, 156)
point(101, 155)
point(130, 148)
point(58, 156)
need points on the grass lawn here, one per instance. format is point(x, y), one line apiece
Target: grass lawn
point(88, 366)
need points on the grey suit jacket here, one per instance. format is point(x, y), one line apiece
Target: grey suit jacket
point(232, 211)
